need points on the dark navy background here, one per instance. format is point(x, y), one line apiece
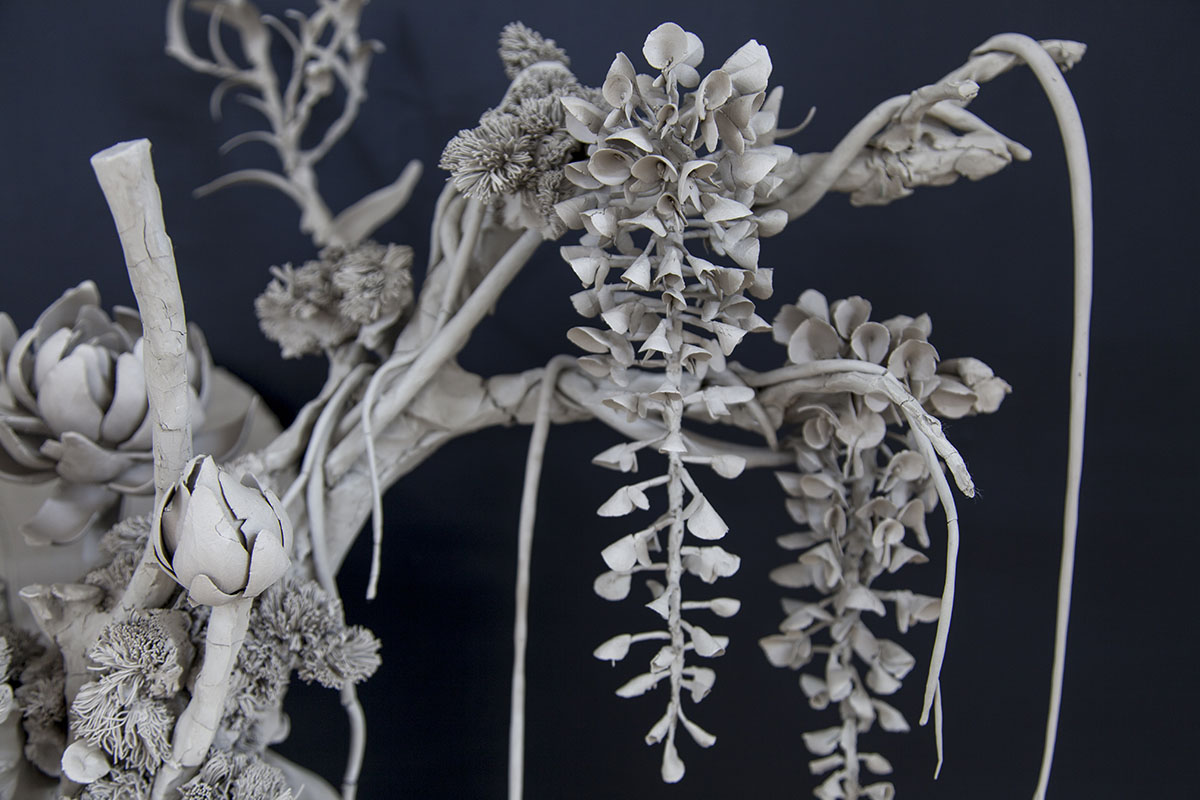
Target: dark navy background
point(991, 263)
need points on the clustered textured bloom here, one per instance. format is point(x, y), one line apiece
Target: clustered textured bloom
point(38, 694)
point(130, 708)
point(124, 543)
point(348, 293)
point(518, 151)
point(73, 405)
point(295, 625)
point(236, 776)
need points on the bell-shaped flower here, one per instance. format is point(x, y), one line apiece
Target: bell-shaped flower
point(219, 537)
point(73, 406)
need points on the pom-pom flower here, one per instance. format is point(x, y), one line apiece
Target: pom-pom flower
point(219, 537)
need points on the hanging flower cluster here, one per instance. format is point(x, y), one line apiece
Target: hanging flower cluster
point(861, 493)
point(73, 405)
point(517, 153)
point(359, 293)
point(666, 168)
point(857, 529)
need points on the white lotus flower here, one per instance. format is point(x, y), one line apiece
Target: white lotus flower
point(219, 537)
point(73, 406)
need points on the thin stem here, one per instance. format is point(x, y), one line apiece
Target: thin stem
point(316, 524)
point(529, 493)
point(946, 497)
point(1075, 144)
point(439, 350)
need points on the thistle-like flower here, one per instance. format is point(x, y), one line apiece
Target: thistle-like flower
point(73, 405)
point(517, 153)
point(348, 293)
point(219, 537)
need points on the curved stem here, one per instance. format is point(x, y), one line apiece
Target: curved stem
point(1075, 144)
point(932, 682)
point(440, 349)
point(529, 493)
point(810, 193)
point(316, 525)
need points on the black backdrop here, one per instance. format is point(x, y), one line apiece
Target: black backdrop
point(989, 262)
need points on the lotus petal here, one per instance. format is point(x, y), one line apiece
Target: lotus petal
point(65, 402)
point(138, 479)
point(63, 312)
point(203, 591)
point(249, 507)
point(48, 354)
point(18, 371)
point(129, 404)
point(268, 563)
point(84, 461)
point(210, 544)
point(8, 336)
point(21, 452)
point(67, 514)
point(226, 440)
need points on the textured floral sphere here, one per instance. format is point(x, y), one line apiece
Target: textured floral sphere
point(219, 537)
point(73, 406)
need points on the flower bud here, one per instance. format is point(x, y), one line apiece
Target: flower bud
point(220, 538)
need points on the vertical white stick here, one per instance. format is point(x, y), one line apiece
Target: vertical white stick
point(529, 493)
point(126, 176)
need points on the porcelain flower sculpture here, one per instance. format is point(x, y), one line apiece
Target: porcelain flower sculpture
point(73, 406)
point(219, 537)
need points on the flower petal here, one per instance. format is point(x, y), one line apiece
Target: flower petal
point(268, 563)
point(84, 461)
point(67, 514)
point(129, 404)
point(209, 544)
point(665, 46)
point(65, 401)
point(202, 591)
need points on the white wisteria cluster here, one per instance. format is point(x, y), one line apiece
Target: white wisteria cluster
point(671, 175)
point(157, 670)
point(862, 500)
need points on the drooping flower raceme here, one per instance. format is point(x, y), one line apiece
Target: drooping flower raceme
point(73, 405)
point(668, 194)
point(219, 537)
